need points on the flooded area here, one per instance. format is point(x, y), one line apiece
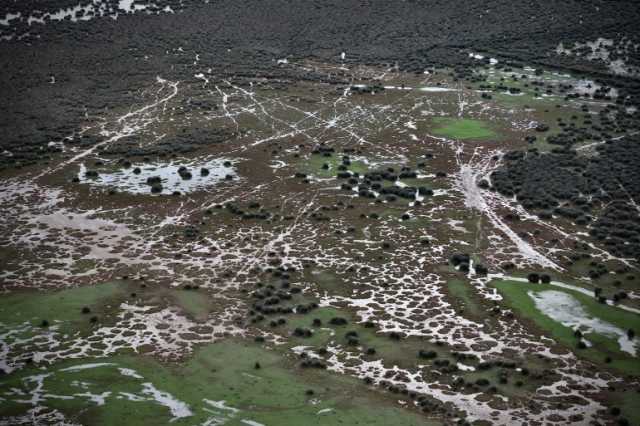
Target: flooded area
point(169, 178)
point(324, 241)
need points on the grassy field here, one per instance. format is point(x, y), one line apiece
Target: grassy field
point(516, 297)
point(220, 383)
point(62, 308)
point(463, 292)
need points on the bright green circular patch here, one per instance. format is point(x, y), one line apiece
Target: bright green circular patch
point(463, 128)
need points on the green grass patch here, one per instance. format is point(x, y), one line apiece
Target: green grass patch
point(463, 128)
point(403, 353)
point(463, 292)
point(627, 401)
point(315, 165)
point(63, 308)
point(219, 382)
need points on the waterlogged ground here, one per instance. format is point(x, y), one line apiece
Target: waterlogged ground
point(290, 250)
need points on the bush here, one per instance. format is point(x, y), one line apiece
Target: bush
point(427, 354)
point(459, 258)
point(480, 269)
point(302, 332)
point(337, 321)
point(394, 335)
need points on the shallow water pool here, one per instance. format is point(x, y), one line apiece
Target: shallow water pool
point(568, 311)
point(134, 179)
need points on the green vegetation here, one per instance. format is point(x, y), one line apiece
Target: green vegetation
point(463, 292)
point(402, 353)
point(516, 297)
point(221, 381)
point(63, 308)
point(610, 282)
point(628, 403)
point(83, 265)
point(321, 166)
point(462, 128)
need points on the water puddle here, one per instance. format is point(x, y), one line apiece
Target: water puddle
point(161, 178)
point(582, 290)
point(177, 408)
point(568, 311)
point(437, 89)
point(87, 366)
